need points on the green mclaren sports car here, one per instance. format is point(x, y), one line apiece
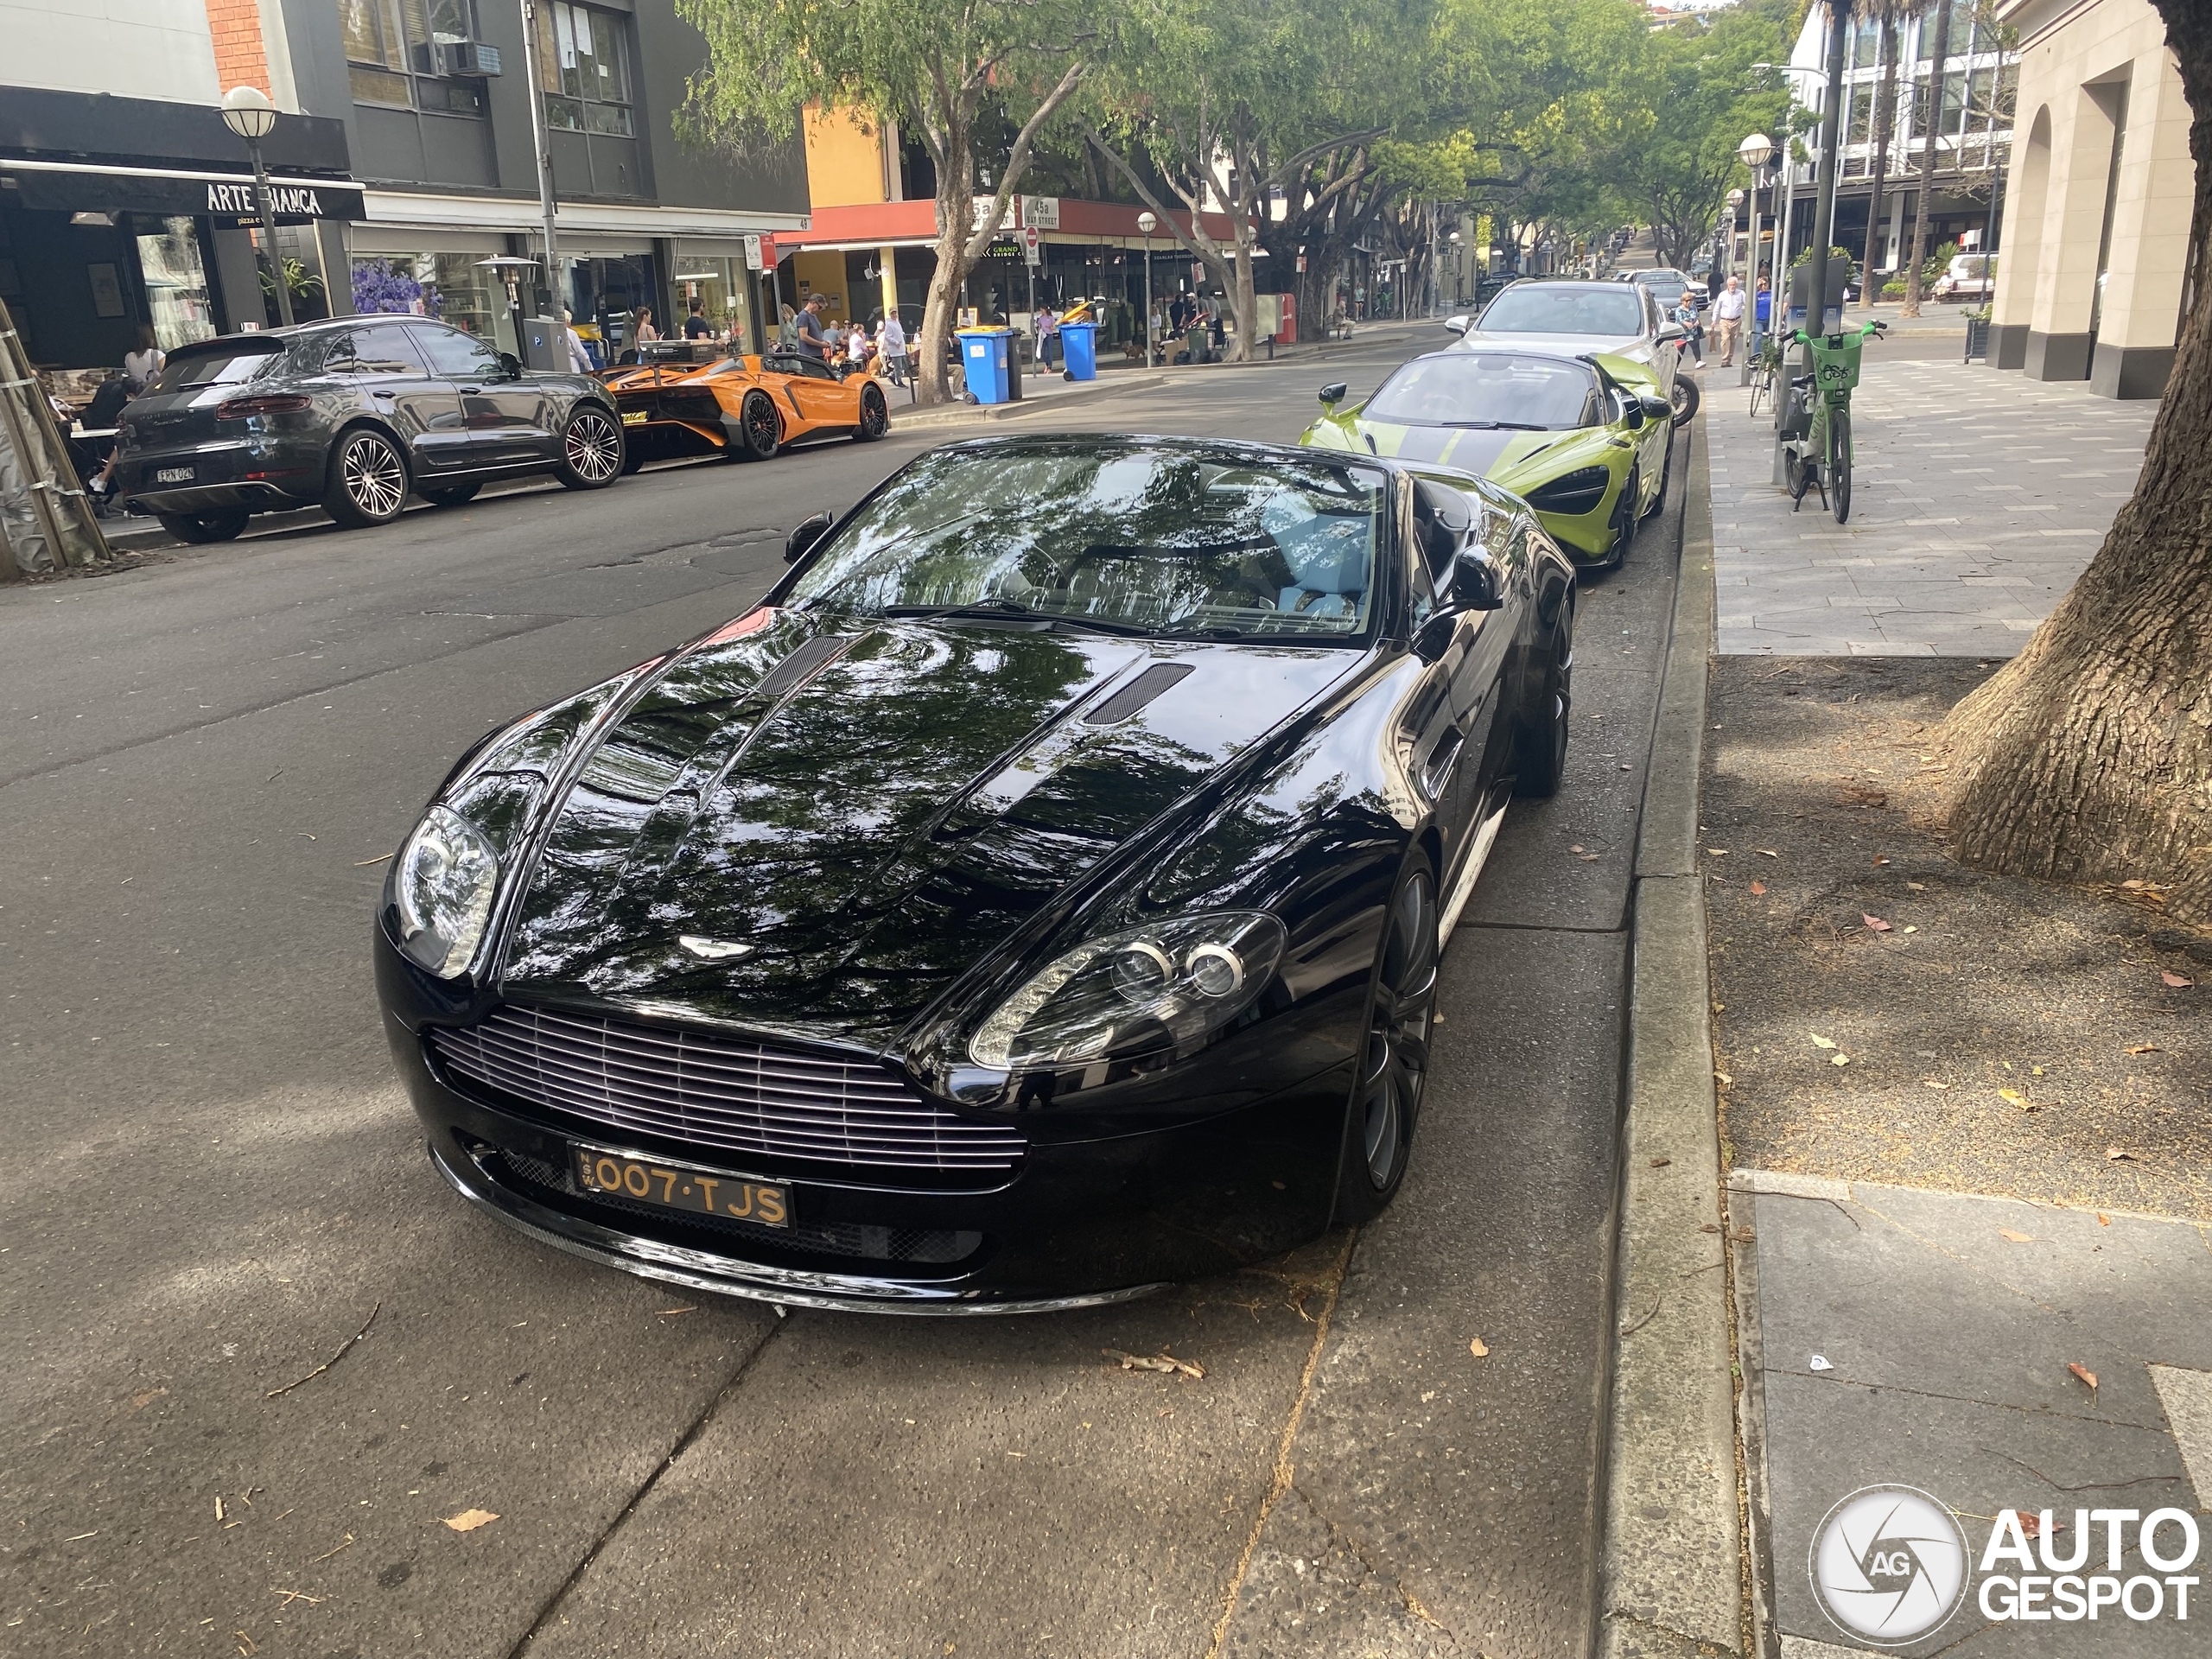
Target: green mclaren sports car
point(1585, 441)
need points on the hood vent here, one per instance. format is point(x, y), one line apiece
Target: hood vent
point(809, 659)
point(1138, 692)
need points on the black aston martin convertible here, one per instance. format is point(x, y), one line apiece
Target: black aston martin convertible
point(1037, 898)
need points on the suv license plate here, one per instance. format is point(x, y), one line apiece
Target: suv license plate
point(680, 1187)
point(174, 475)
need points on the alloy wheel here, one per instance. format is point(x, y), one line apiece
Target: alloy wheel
point(1397, 1033)
point(593, 448)
point(763, 431)
point(373, 476)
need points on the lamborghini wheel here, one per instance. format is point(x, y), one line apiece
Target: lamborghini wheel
point(876, 416)
point(759, 433)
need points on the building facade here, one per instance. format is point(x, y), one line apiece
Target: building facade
point(405, 151)
point(2098, 208)
point(1970, 107)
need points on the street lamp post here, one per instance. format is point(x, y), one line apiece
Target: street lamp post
point(542, 158)
point(1148, 222)
point(1755, 152)
point(1458, 268)
point(248, 112)
point(1735, 206)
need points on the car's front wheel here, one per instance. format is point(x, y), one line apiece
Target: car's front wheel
point(876, 416)
point(1626, 516)
point(1394, 1062)
point(591, 450)
point(368, 479)
point(217, 525)
point(1539, 739)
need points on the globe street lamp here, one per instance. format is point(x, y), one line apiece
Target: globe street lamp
point(248, 112)
point(1458, 267)
point(1735, 206)
point(1148, 222)
point(1755, 152)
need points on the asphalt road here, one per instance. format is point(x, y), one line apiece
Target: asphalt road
point(217, 1183)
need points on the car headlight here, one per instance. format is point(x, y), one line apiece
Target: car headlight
point(1574, 495)
point(447, 876)
point(1134, 992)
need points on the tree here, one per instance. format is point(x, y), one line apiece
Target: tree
point(2089, 757)
point(1705, 92)
point(1939, 57)
point(937, 69)
point(1889, 14)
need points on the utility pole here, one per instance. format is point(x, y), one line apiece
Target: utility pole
point(541, 151)
point(1817, 283)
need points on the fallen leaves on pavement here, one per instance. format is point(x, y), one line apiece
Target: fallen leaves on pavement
point(1874, 923)
point(2119, 1155)
point(1820, 1041)
point(2173, 980)
point(1478, 1348)
point(1162, 1361)
point(2084, 1373)
point(2018, 1238)
point(469, 1520)
point(1759, 889)
point(2144, 1048)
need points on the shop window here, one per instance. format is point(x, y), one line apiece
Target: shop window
point(175, 278)
point(584, 67)
point(397, 52)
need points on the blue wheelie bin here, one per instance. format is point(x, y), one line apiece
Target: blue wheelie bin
point(1079, 345)
point(982, 354)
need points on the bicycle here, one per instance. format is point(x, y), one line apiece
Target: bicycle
point(1765, 364)
point(1819, 454)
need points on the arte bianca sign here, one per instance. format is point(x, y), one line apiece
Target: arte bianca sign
point(1892, 1564)
point(290, 201)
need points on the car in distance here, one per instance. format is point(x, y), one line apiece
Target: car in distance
point(1571, 315)
point(352, 414)
point(1667, 285)
point(1585, 440)
point(1969, 279)
point(1036, 899)
point(744, 407)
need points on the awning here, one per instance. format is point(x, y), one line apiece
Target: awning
point(83, 187)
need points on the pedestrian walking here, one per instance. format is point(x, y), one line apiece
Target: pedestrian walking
point(579, 359)
point(891, 342)
point(787, 331)
point(1764, 306)
point(1048, 334)
point(1686, 316)
point(1728, 321)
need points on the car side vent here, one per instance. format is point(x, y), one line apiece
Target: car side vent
point(786, 675)
point(1137, 693)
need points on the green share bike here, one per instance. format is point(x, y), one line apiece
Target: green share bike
point(1817, 427)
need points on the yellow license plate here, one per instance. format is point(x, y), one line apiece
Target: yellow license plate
point(681, 1187)
point(633, 418)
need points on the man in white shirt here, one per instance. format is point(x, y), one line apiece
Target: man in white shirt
point(1728, 321)
point(891, 340)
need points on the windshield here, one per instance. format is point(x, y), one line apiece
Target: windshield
point(1151, 541)
point(1533, 309)
point(1485, 389)
point(225, 366)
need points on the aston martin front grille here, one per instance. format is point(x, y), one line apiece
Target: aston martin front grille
point(709, 1091)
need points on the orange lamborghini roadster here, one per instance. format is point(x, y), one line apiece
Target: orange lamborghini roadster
point(746, 408)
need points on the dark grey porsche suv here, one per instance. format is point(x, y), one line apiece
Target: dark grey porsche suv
point(351, 413)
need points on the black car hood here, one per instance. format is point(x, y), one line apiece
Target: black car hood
point(864, 831)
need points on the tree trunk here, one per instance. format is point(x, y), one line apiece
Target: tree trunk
point(1885, 117)
point(2088, 758)
point(1938, 55)
point(954, 209)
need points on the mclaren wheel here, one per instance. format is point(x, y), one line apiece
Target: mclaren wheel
point(1539, 742)
point(591, 450)
point(1626, 516)
point(875, 415)
point(368, 479)
point(448, 495)
point(1666, 476)
point(1386, 1100)
point(759, 433)
point(217, 524)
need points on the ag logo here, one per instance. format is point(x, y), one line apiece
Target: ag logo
point(1889, 1565)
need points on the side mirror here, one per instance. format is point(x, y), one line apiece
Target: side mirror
point(510, 365)
point(1657, 409)
point(801, 541)
point(1673, 331)
point(1332, 395)
point(1475, 585)
point(1459, 325)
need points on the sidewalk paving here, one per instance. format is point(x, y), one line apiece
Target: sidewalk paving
point(1977, 499)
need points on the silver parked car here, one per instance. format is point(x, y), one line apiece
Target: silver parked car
point(1572, 317)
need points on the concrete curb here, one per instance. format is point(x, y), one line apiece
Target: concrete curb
point(963, 414)
point(1670, 1565)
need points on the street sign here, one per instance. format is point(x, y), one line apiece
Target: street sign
point(753, 253)
point(1029, 248)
